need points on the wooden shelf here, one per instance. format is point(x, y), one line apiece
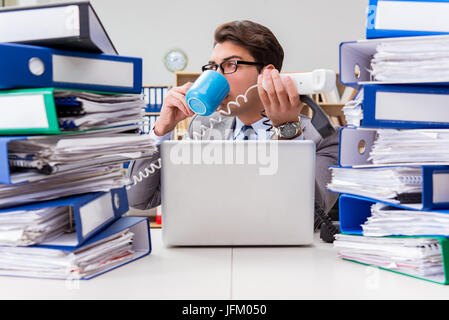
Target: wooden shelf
point(181, 78)
point(184, 77)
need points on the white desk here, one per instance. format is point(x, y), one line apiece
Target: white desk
point(232, 273)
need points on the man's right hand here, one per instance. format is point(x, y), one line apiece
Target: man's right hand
point(174, 109)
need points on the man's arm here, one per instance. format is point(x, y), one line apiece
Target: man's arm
point(326, 155)
point(145, 191)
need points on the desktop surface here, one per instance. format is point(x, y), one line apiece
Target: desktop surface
point(223, 273)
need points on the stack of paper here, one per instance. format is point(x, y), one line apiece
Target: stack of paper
point(353, 110)
point(24, 228)
point(80, 263)
point(424, 59)
point(411, 146)
point(101, 178)
point(34, 158)
point(82, 110)
point(394, 184)
point(387, 221)
point(420, 257)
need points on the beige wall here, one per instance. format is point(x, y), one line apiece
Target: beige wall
point(309, 30)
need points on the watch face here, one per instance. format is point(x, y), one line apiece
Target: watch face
point(175, 60)
point(289, 130)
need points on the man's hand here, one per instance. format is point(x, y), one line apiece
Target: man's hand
point(281, 104)
point(174, 109)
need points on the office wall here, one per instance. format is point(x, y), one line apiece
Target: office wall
point(309, 30)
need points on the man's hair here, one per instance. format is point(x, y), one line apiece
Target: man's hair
point(256, 38)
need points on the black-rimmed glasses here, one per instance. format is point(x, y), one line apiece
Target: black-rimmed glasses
point(229, 66)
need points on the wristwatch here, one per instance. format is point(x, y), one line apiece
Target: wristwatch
point(288, 130)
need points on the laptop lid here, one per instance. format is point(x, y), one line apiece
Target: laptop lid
point(230, 193)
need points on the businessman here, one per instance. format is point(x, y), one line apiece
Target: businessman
point(246, 53)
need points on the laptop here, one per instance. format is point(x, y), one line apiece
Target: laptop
point(237, 193)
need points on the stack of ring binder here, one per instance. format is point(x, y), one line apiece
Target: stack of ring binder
point(73, 114)
point(393, 170)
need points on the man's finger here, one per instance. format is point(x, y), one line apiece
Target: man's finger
point(184, 88)
point(179, 100)
point(281, 93)
point(269, 86)
point(292, 91)
point(262, 93)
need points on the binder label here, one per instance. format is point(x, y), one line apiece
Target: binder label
point(92, 71)
point(405, 106)
point(440, 187)
point(23, 112)
point(96, 213)
point(59, 22)
point(407, 15)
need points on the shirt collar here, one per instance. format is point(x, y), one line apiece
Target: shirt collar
point(257, 126)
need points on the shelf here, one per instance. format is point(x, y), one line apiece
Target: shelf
point(184, 77)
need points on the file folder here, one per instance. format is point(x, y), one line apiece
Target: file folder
point(140, 247)
point(434, 188)
point(431, 252)
point(405, 107)
point(52, 156)
point(102, 178)
point(355, 145)
point(90, 213)
point(354, 211)
point(355, 61)
point(25, 66)
point(69, 26)
point(403, 18)
point(39, 111)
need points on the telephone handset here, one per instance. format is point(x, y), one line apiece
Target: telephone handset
point(317, 81)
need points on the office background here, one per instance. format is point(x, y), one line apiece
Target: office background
point(310, 31)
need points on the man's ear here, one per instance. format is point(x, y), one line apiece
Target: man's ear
point(267, 67)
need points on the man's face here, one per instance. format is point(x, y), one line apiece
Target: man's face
point(239, 81)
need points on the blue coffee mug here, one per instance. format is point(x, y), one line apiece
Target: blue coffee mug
point(207, 92)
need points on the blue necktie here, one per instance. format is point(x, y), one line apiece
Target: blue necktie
point(246, 131)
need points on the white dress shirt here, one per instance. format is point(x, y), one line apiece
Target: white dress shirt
point(259, 132)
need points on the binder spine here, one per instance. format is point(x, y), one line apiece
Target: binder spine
point(435, 187)
point(68, 69)
point(381, 109)
point(400, 31)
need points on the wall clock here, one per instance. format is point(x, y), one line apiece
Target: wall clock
point(175, 60)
